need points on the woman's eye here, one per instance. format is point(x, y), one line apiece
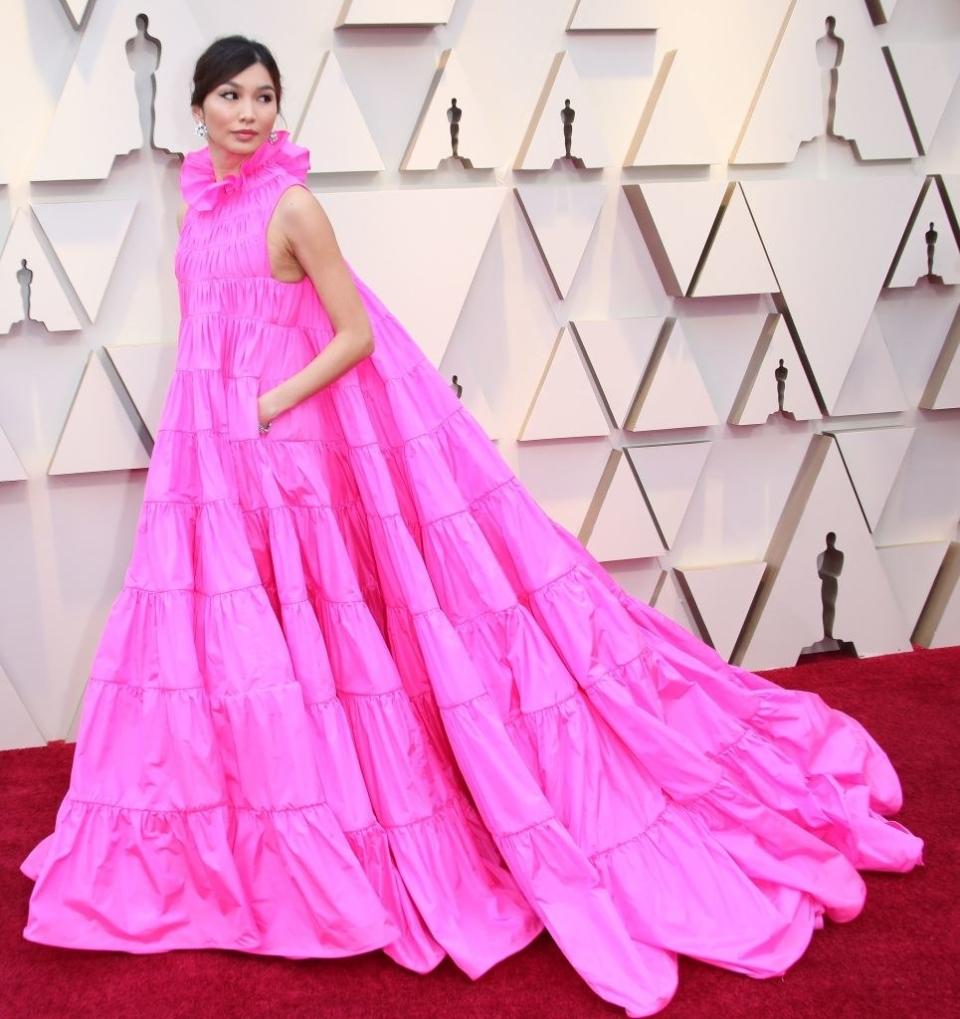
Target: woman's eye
point(230, 92)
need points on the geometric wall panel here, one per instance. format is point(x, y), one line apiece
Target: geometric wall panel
point(669, 474)
point(38, 279)
point(939, 624)
point(563, 476)
point(671, 600)
point(619, 351)
point(672, 393)
point(544, 141)
point(873, 457)
point(432, 250)
point(927, 73)
point(788, 614)
point(81, 146)
point(97, 434)
point(789, 106)
point(17, 728)
point(721, 596)
point(673, 129)
point(332, 113)
point(830, 243)
point(146, 370)
point(564, 405)
point(912, 570)
point(881, 10)
point(11, 469)
point(735, 262)
point(619, 525)
point(561, 219)
point(87, 237)
point(872, 385)
point(369, 13)
point(432, 141)
point(614, 15)
point(759, 395)
point(76, 9)
point(943, 389)
point(675, 218)
point(920, 248)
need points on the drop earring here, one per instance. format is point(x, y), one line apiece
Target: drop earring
point(201, 129)
point(272, 136)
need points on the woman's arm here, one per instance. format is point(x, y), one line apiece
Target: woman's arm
point(309, 238)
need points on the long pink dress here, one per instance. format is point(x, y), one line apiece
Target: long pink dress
point(359, 691)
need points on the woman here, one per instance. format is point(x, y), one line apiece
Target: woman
point(359, 691)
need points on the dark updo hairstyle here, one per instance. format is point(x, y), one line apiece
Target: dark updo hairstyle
point(228, 56)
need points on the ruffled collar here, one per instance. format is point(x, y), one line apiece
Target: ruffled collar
point(201, 189)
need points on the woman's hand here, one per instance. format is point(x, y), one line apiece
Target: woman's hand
point(269, 406)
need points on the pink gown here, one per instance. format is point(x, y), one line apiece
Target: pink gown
point(359, 691)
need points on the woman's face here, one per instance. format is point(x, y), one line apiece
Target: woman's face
point(245, 103)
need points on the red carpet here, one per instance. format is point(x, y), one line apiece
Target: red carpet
point(900, 958)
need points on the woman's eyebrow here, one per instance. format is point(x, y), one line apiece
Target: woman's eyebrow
point(257, 89)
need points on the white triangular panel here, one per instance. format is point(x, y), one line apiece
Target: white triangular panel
point(788, 614)
point(758, 396)
point(673, 393)
point(640, 578)
point(82, 146)
point(48, 303)
point(872, 385)
point(928, 73)
point(565, 405)
point(912, 262)
point(562, 218)
point(333, 127)
point(736, 262)
point(789, 106)
point(615, 15)
point(563, 476)
point(432, 251)
point(942, 391)
point(873, 457)
point(77, 9)
point(432, 143)
point(145, 370)
point(87, 237)
point(882, 10)
point(912, 570)
point(939, 624)
point(544, 140)
point(98, 434)
point(947, 631)
point(816, 232)
point(673, 129)
point(671, 602)
point(385, 13)
point(618, 351)
point(475, 400)
point(675, 218)
point(623, 528)
point(669, 474)
point(722, 596)
point(17, 728)
point(11, 469)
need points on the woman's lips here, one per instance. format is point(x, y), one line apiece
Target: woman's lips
point(245, 134)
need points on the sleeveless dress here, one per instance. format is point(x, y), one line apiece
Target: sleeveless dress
point(360, 691)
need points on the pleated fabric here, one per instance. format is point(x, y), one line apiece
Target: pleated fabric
point(359, 691)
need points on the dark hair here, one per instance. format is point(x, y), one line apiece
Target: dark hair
point(226, 57)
